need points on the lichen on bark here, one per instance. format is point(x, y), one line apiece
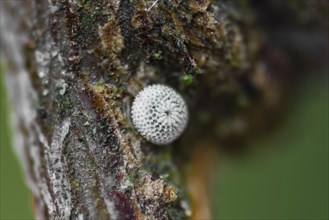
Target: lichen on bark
point(78, 65)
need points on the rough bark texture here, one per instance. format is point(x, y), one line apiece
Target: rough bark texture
point(73, 68)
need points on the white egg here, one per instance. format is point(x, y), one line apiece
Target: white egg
point(159, 114)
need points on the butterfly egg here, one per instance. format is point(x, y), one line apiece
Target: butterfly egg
point(159, 114)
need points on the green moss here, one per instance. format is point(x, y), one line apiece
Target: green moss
point(157, 54)
point(131, 129)
point(232, 59)
point(133, 176)
point(65, 103)
point(121, 88)
point(100, 83)
point(187, 79)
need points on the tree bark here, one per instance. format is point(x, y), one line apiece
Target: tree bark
point(73, 68)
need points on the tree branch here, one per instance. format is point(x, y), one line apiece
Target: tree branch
point(73, 68)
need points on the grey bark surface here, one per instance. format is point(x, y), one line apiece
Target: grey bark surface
point(73, 68)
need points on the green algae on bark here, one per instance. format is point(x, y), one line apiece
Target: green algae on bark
point(79, 66)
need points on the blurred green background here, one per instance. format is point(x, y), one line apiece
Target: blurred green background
point(286, 177)
point(15, 198)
